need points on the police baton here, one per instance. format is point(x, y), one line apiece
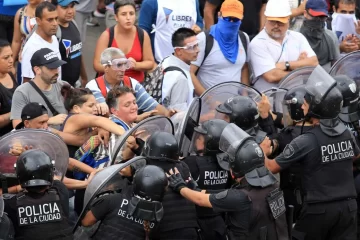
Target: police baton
point(289, 218)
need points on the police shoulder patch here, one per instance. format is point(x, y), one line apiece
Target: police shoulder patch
point(221, 195)
point(288, 151)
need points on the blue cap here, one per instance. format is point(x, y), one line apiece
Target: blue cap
point(65, 3)
point(317, 8)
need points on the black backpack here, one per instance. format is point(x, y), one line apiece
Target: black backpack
point(209, 42)
point(153, 81)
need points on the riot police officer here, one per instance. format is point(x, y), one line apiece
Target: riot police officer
point(243, 112)
point(132, 213)
point(350, 116)
point(41, 210)
point(179, 221)
point(350, 112)
point(209, 174)
point(254, 205)
point(326, 153)
point(294, 124)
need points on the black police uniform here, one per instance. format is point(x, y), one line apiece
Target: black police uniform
point(290, 179)
point(116, 222)
point(329, 200)
point(179, 221)
point(248, 213)
point(209, 176)
point(40, 215)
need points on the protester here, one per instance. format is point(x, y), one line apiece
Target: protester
point(45, 88)
point(345, 25)
point(161, 18)
point(8, 85)
point(70, 43)
point(272, 52)
point(24, 22)
point(46, 20)
point(123, 109)
point(130, 39)
point(177, 88)
point(323, 41)
point(115, 65)
point(253, 21)
point(228, 55)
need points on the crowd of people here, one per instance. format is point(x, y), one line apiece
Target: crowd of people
point(177, 137)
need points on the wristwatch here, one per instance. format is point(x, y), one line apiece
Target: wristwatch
point(287, 65)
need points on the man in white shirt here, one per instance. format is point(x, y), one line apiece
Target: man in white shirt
point(276, 51)
point(177, 88)
point(44, 37)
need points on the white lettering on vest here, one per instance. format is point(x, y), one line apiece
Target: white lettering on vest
point(40, 213)
point(123, 213)
point(337, 151)
point(216, 177)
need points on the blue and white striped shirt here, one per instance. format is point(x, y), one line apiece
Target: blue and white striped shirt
point(144, 101)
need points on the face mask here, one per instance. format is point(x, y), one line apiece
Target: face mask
point(313, 28)
point(343, 24)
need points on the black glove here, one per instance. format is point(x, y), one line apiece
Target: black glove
point(193, 185)
point(176, 182)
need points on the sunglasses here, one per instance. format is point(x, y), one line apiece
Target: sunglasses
point(231, 19)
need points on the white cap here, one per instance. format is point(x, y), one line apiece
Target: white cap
point(277, 9)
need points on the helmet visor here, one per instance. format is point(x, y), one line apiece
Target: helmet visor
point(231, 139)
point(288, 121)
point(319, 84)
point(197, 143)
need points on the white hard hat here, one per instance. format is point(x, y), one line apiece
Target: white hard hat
point(278, 9)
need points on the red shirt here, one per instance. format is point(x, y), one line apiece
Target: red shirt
point(135, 53)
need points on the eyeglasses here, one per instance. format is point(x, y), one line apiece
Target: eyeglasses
point(120, 64)
point(191, 47)
point(231, 19)
point(274, 23)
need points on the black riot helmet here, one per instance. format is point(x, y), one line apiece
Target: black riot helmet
point(350, 92)
point(211, 130)
point(241, 110)
point(150, 184)
point(323, 98)
point(248, 157)
point(244, 153)
point(293, 101)
point(34, 168)
point(328, 108)
point(161, 145)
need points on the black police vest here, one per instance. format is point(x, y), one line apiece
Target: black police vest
point(290, 178)
point(327, 172)
point(179, 212)
point(268, 218)
point(211, 177)
point(119, 224)
point(41, 218)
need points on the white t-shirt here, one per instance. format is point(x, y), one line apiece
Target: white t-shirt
point(177, 89)
point(34, 43)
point(171, 16)
point(216, 68)
point(265, 52)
